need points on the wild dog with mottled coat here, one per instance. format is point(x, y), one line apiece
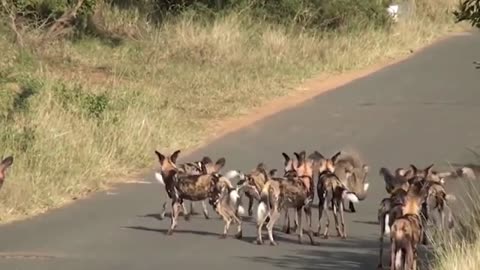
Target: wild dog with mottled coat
point(180, 187)
point(407, 230)
point(290, 191)
point(435, 182)
point(225, 199)
point(4, 165)
point(330, 189)
point(190, 168)
point(290, 171)
point(256, 180)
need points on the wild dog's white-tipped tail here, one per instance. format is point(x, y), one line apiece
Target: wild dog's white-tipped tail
point(450, 197)
point(398, 259)
point(350, 196)
point(387, 226)
point(261, 211)
point(234, 196)
point(159, 178)
point(467, 172)
point(241, 210)
point(366, 186)
point(232, 174)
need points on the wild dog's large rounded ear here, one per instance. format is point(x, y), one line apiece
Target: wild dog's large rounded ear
point(335, 157)
point(272, 172)
point(301, 157)
point(428, 169)
point(286, 157)
point(414, 169)
point(206, 160)
point(160, 156)
point(174, 156)
point(203, 168)
point(219, 164)
point(261, 166)
point(6, 162)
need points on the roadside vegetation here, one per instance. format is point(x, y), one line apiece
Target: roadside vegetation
point(89, 89)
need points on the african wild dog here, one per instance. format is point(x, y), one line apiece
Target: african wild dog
point(252, 184)
point(4, 165)
point(290, 191)
point(190, 168)
point(407, 230)
point(225, 199)
point(398, 185)
point(192, 187)
point(330, 189)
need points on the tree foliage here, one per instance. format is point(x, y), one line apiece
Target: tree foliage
point(469, 10)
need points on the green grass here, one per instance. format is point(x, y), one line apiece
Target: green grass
point(81, 115)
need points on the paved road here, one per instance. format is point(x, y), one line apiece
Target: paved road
point(418, 111)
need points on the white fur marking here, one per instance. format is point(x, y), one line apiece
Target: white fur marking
point(450, 197)
point(468, 172)
point(159, 178)
point(351, 197)
point(387, 226)
point(241, 210)
point(261, 211)
point(234, 196)
point(366, 186)
point(232, 174)
point(398, 259)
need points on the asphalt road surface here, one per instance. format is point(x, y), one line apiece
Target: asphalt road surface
point(419, 111)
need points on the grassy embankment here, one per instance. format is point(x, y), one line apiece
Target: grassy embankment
point(78, 115)
point(460, 249)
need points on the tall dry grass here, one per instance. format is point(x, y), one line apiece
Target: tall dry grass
point(80, 115)
point(460, 248)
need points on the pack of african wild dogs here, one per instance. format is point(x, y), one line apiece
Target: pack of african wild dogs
point(340, 181)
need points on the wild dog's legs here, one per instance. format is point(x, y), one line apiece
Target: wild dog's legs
point(175, 212)
point(393, 251)
point(260, 222)
point(335, 218)
point(250, 205)
point(238, 220)
point(164, 210)
point(186, 214)
point(295, 221)
point(327, 224)
point(228, 220)
point(275, 214)
point(286, 225)
point(415, 258)
point(308, 215)
point(321, 208)
point(342, 220)
point(205, 211)
point(192, 210)
point(298, 213)
point(382, 232)
point(409, 258)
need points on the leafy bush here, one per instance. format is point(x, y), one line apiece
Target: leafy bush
point(469, 10)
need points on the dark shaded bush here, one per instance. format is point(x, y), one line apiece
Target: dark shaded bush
point(468, 10)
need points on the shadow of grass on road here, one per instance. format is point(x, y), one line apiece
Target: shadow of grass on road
point(342, 254)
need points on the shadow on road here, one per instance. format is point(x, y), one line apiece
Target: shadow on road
point(345, 254)
point(143, 228)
